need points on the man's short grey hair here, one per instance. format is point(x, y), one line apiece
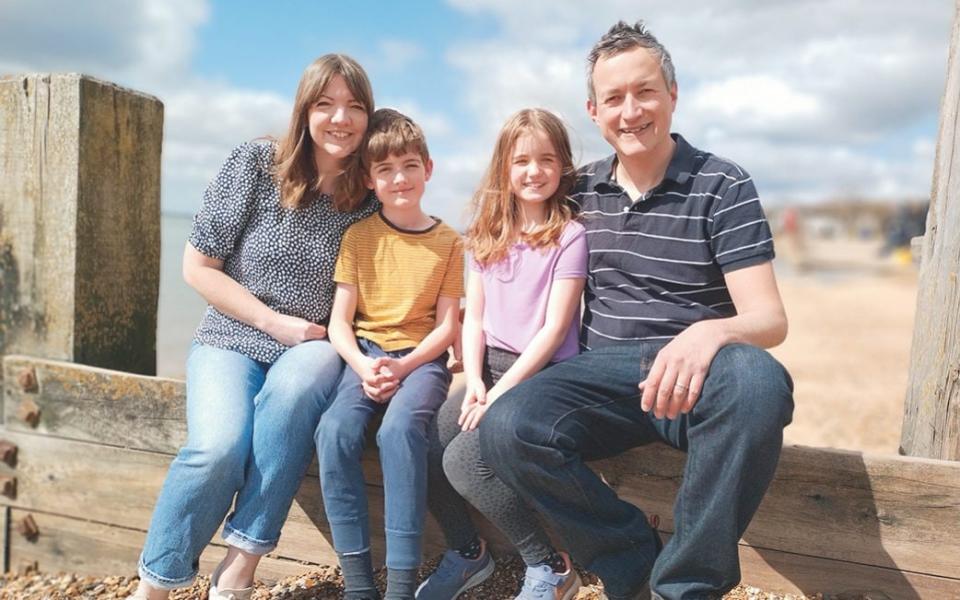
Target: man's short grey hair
point(623, 37)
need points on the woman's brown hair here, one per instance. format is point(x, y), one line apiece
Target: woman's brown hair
point(296, 170)
point(497, 224)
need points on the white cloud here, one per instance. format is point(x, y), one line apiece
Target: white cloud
point(777, 85)
point(396, 54)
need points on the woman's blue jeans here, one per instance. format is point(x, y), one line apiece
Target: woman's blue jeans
point(250, 428)
point(402, 439)
point(538, 435)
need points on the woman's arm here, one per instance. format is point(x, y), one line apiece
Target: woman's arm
point(206, 276)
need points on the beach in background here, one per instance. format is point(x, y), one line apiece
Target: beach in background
point(851, 316)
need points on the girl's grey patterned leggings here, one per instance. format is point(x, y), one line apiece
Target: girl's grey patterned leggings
point(457, 475)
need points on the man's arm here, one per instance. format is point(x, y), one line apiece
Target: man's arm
point(676, 378)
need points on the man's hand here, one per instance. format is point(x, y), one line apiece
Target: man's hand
point(675, 380)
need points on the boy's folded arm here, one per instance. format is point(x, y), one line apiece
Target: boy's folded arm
point(438, 340)
point(340, 328)
point(562, 304)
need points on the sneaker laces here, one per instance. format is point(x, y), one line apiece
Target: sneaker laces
point(448, 569)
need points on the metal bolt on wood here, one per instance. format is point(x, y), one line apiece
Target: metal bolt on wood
point(8, 453)
point(8, 487)
point(28, 567)
point(29, 412)
point(27, 527)
point(28, 380)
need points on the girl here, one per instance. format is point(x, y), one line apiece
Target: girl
point(260, 372)
point(523, 294)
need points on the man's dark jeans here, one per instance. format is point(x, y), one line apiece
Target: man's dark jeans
point(537, 437)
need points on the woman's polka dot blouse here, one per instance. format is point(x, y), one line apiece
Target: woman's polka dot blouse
point(285, 257)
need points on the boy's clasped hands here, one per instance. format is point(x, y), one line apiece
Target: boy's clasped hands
point(381, 377)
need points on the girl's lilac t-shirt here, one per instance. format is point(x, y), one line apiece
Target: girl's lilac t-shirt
point(517, 288)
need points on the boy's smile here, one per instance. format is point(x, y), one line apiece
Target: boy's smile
point(399, 180)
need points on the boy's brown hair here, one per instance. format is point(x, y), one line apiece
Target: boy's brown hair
point(391, 132)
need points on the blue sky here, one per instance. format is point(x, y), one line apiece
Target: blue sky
point(818, 99)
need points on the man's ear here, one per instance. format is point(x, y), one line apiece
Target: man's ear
point(592, 110)
point(673, 95)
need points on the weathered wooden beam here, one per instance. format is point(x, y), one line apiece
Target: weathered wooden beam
point(887, 512)
point(931, 420)
point(97, 405)
point(5, 537)
point(892, 512)
point(79, 220)
point(88, 548)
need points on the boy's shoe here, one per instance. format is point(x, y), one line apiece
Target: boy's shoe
point(227, 594)
point(541, 583)
point(456, 575)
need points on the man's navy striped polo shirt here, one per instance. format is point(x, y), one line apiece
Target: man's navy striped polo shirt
point(656, 266)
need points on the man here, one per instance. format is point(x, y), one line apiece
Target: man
point(680, 298)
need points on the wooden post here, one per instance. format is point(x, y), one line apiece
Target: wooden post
point(79, 221)
point(931, 420)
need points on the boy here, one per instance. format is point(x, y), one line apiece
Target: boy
point(395, 312)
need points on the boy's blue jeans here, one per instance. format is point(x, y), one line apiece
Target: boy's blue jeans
point(402, 439)
point(537, 436)
point(250, 431)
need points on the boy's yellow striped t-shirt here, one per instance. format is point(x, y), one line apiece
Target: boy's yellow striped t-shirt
point(399, 276)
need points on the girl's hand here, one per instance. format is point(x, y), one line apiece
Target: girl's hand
point(471, 419)
point(291, 331)
point(475, 393)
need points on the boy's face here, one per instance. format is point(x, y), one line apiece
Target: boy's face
point(399, 179)
point(633, 106)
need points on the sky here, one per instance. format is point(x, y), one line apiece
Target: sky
point(817, 99)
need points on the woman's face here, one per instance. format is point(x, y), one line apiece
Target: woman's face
point(337, 120)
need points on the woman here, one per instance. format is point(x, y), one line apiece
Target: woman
point(261, 372)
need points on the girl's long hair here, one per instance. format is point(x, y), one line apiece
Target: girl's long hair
point(296, 170)
point(496, 225)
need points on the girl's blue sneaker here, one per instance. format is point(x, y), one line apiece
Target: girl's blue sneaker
point(456, 575)
point(541, 583)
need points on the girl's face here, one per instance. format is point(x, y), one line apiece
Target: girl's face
point(337, 120)
point(534, 167)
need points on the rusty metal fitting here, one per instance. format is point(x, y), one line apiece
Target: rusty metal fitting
point(8, 453)
point(27, 527)
point(28, 567)
point(8, 486)
point(29, 412)
point(28, 380)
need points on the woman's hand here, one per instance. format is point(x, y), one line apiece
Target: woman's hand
point(291, 331)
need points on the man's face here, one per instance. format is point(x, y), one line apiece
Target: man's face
point(633, 106)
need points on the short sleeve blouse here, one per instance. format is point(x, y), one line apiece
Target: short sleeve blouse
point(285, 257)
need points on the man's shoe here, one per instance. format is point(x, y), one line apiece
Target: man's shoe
point(455, 575)
point(227, 594)
point(541, 583)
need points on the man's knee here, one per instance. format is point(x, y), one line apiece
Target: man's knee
point(754, 383)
